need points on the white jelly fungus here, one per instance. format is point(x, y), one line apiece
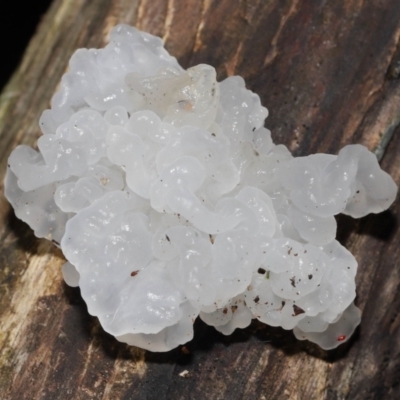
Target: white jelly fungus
point(169, 200)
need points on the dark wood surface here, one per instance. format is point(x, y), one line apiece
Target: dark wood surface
point(328, 71)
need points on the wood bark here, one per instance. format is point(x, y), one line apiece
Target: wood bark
point(328, 71)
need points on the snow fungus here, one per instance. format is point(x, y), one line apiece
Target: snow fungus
point(170, 201)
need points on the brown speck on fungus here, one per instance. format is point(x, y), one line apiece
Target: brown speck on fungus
point(261, 271)
point(134, 273)
point(297, 311)
point(283, 305)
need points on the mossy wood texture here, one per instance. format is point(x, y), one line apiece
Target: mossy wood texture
point(328, 71)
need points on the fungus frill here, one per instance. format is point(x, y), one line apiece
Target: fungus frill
point(170, 201)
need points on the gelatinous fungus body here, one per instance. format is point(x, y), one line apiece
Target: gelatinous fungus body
point(170, 201)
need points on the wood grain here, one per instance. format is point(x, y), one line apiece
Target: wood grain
point(329, 73)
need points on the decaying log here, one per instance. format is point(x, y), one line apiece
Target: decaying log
point(329, 73)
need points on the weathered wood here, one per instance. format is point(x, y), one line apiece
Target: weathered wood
point(329, 73)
